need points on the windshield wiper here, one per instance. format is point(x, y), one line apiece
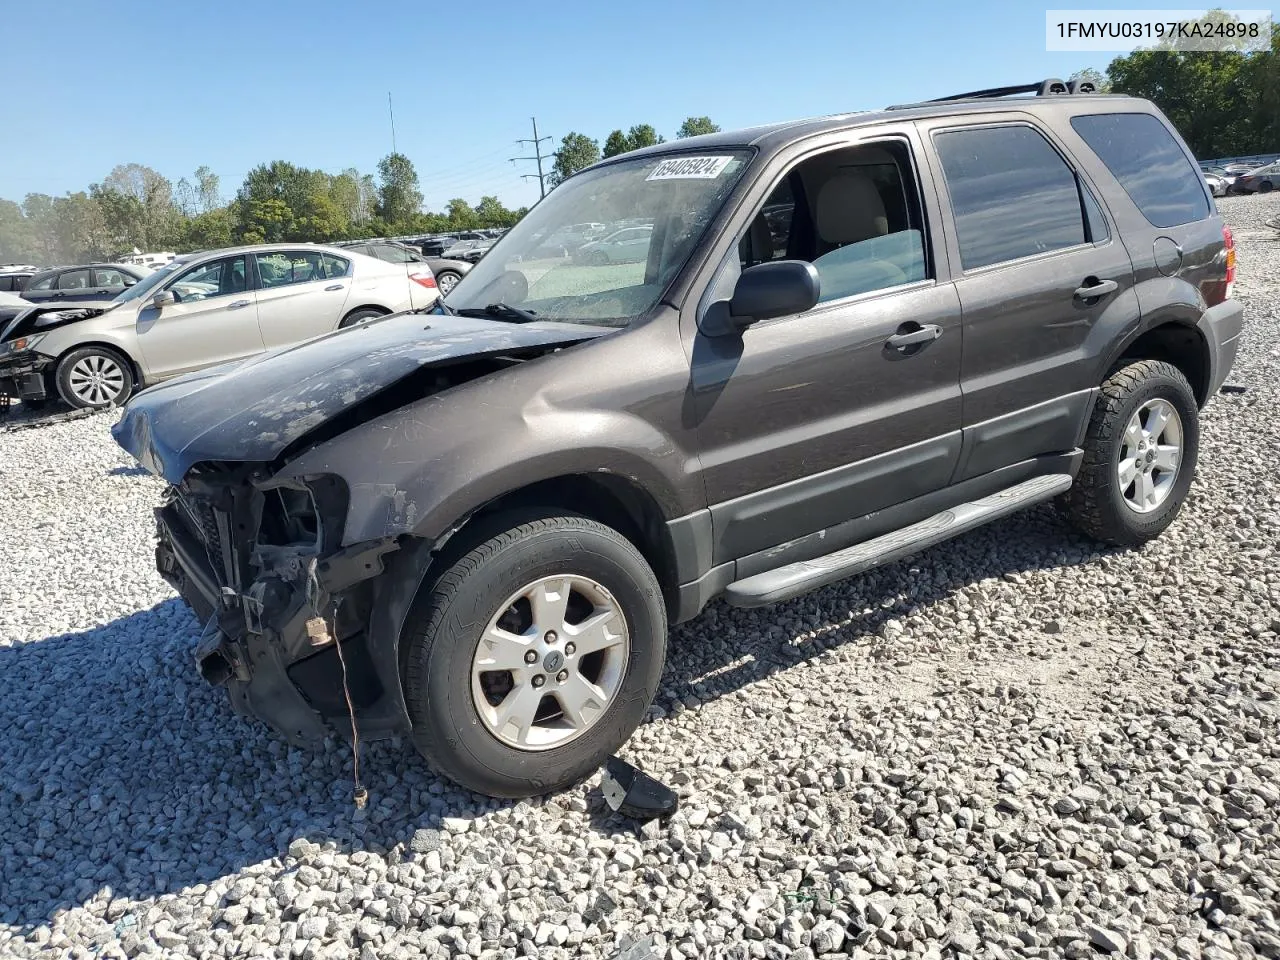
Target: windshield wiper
point(499, 311)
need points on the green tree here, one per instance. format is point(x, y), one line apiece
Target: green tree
point(461, 215)
point(17, 237)
point(207, 189)
point(696, 127)
point(577, 152)
point(207, 231)
point(643, 135)
point(399, 198)
point(491, 213)
point(616, 143)
point(1096, 77)
point(280, 201)
point(155, 195)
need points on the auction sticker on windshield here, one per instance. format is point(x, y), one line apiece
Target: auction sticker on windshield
point(689, 168)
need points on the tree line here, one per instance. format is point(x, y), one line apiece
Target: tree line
point(578, 151)
point(135, 206)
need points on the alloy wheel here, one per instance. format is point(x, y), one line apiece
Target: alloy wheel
point(97, 380)
point(1150, 455)
point(550, 662)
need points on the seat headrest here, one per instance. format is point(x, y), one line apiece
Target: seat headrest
point(850, 210)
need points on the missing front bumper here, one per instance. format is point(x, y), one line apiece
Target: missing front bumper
point(255, 642)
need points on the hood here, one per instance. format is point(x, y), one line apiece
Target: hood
point(252, 410)
point(33, 318)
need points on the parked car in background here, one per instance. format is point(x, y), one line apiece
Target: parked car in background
point(1261, 180)
point(151, 261)
point(197, 311)
point(14, 277)
point(1236, 169)
point(1218, 184)
point(446, 272)
point(469, 250)
point(435, 246)
point(92, 281)
point(625, 246)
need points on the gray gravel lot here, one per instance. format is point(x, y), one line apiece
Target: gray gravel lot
point(1016, 744)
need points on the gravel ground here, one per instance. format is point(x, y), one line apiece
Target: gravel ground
point(1017, 744)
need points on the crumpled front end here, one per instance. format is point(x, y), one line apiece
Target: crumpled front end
point(261, 563)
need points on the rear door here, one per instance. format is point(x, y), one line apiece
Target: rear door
point(1043, 286)
point(214, 319)
point(301, 295)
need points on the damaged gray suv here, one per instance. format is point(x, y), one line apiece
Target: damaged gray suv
point(846, 340)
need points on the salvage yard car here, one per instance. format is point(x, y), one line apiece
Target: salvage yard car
point(479, 522)
point(194, 312)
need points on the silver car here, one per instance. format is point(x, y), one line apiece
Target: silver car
point(197, 311)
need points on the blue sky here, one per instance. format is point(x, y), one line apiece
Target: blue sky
point(174, 86)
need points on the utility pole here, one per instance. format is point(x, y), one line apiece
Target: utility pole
point(393, 122)
point(537, 155)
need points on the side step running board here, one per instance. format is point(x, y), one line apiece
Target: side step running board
point(797, 578)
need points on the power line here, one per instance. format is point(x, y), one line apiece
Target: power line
point(537, 155)
point(393, 122)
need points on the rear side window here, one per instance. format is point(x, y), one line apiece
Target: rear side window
point(1141, 153)
point(1011, 192)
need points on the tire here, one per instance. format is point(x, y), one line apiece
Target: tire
point(446, 280)
point(359, 316)
point(1266, 186)
point(441, 644)
point(94, 378)
point(1097, 504)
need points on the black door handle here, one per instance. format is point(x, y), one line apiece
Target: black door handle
point(1094, 288)
point(913, 338)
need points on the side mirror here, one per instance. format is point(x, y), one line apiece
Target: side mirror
point(767, 290)
point(164, 299)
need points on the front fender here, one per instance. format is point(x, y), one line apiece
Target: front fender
point(424, 468)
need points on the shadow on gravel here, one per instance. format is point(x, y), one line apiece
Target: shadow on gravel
point(128, 472)
point(121, 768)
point(855, 610)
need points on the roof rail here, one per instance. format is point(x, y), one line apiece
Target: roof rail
point(1045, 88)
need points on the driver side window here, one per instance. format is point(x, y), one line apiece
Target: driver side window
point(854, 213)
point(218, 278)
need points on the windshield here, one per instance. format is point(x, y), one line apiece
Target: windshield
point(151, 281)
point(602, 247)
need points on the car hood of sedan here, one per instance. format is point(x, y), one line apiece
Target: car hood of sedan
point(252, 410)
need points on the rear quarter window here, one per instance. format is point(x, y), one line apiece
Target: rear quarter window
point(1142, 154)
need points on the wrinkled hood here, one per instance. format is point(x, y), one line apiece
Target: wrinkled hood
point(32, 318)
point(250, 411)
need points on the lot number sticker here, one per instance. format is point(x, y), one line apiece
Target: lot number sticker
point(689, 168)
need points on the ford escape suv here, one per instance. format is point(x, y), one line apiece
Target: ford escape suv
point(848, 338)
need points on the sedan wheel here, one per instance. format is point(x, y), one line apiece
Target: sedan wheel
point(94, 377)
point(446, 280)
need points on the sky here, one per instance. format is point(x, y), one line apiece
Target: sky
point(175, 86)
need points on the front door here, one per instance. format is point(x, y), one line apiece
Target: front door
point(807, 421)
point(1044, 287)
point(214, 319)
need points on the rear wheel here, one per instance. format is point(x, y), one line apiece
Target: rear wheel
point(359, 316)
point(446, 280)
point(94, 377)
point(1266, 186)
point(1139, 455)
point(531, 658)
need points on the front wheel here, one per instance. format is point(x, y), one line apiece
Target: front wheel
point(530, 659)
point(94, 378)
point(1139, 455)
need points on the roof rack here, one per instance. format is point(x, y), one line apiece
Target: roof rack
point(1045, 88)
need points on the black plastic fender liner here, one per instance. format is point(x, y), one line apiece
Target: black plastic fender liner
point(394, 593)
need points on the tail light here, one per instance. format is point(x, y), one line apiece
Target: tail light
point(1230, 243)
point(427, 280)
